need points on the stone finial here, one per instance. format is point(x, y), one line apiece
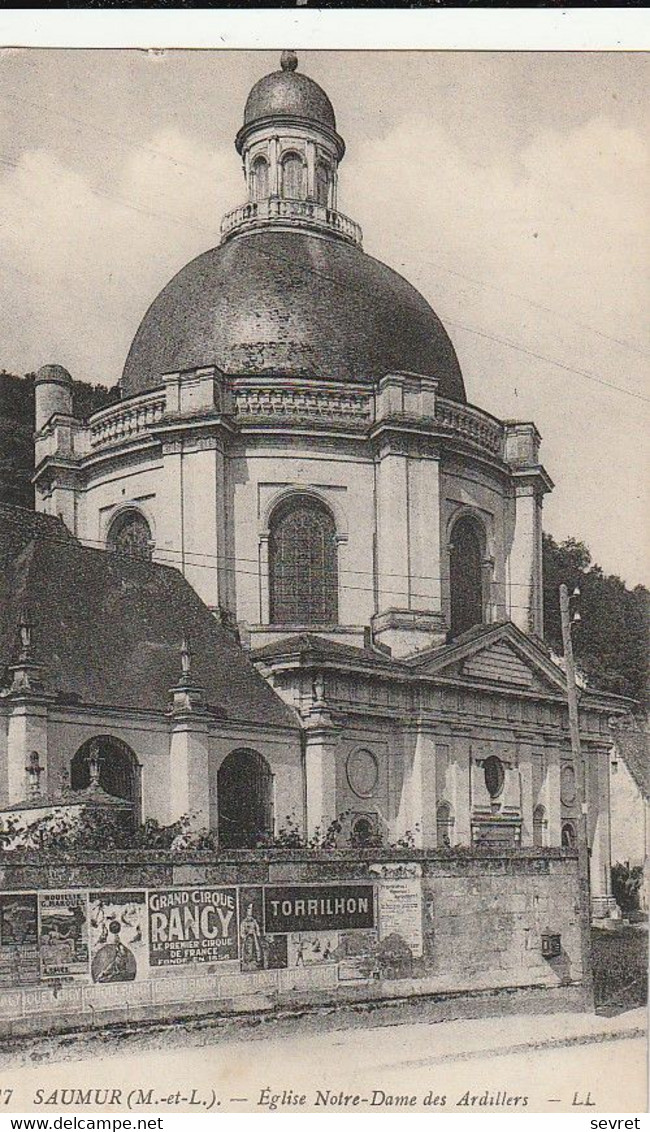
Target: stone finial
point(186, 661)
point(187, 696)
point(25, 634)
point(288, 61)
point(26, 672)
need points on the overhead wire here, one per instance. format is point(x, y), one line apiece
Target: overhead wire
point(99, 544)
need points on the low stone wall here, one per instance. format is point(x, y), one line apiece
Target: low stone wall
point(153, 935)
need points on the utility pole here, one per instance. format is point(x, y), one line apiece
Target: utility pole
point(580, 780)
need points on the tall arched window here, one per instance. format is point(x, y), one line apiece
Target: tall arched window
point(466, 575)
point(322, 183)
point(303, 568)
point(244, 800)
point(130, 534)
point(293, 177)
point(539, 826)
point(260, 179)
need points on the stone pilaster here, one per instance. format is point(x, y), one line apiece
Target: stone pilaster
point(417, 805)
point(459, 789)
point(321, 743)
point(189, 767)
point(189, 751)
point(530, 482)
point(27, 733)
point(27, 730)
point(524, 752)
point(602, 900)
point(551, 796)
point(193, 529)
point(409, 611)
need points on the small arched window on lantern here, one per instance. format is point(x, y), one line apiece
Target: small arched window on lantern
point(444, 826)
point(322, 183)
point(303, 563)
point(539, 826)
point(259, 179)
point(466, 574)
point(293, 177)
point(130, 534)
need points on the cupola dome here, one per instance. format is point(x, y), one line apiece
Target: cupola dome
point(289, 291)
point(289, 92)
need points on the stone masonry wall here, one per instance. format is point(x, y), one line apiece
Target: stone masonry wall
point(254, 930)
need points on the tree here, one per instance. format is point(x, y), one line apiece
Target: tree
point(611, 639)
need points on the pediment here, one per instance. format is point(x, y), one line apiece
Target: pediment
point(500, 655)
point(498, 663)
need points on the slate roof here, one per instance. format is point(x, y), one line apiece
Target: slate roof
point(634, 749)
point(294, 303)
point(308, 648)
point(109, 628)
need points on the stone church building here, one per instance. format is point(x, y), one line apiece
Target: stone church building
point(294, 482)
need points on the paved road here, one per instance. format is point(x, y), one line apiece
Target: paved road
point(548, 1062)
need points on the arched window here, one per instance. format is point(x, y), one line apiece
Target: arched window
point(466, 575)
point(260, 179)
point(293, 177)
point(495, 776)
point(539, 826)
point(244, 800)
point(444, 826)
point(322, 183)
point(568, 835)
point(303, 568)
point(130, 534)
point(109, 763)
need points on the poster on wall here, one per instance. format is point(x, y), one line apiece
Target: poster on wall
point(192, 925)
point(357, 953)
point(312, 949)
point(63, 935)
point(118, 937)
point(400, 904)
point(318, 908)
point(19, 965)
point(259, 951)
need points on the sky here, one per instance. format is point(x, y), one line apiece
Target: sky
point(511, 188)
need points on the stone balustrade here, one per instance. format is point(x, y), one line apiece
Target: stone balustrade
point(301, 213)
point(468, 423)
point(126, 421)
point(259, 402)
point(302, 401)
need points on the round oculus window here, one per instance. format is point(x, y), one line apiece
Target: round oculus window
point(494, 776)
point(362, 773)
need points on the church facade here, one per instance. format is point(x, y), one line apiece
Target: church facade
point(294, 437)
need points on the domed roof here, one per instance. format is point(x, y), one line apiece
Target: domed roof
point(288, 92)
point(53, 373)
point(292, 303)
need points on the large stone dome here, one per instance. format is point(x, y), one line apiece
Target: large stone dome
point(293, 304)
